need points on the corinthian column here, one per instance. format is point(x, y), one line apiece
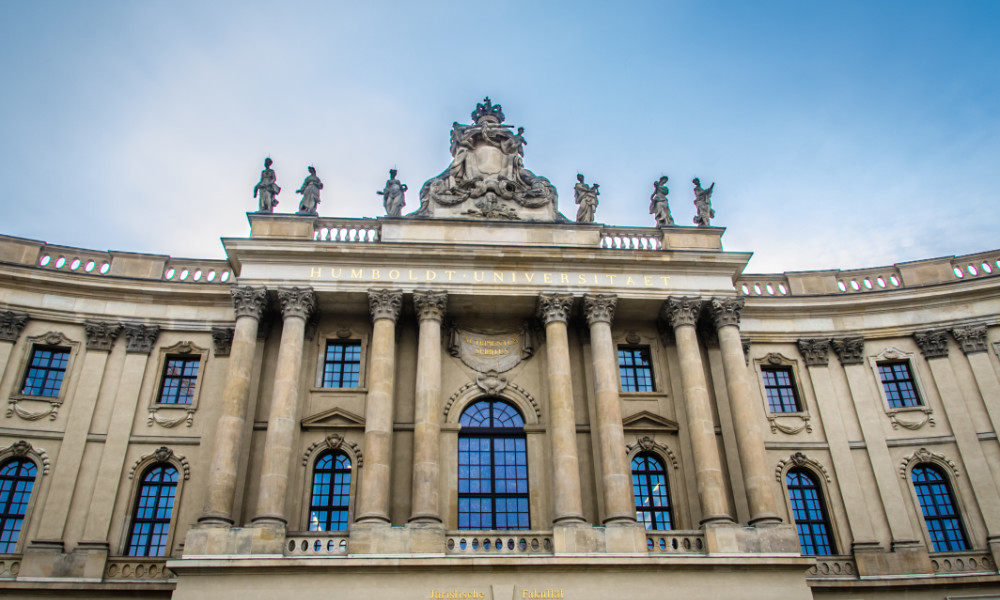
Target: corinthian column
point(297, 304)
point(431, 308)
point(249, 304)
point(746, 420)
point(682, 314)
point(554, 311)
point(619, 504)
point(373, 497)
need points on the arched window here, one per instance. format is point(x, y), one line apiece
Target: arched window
point(17, 477)
point(331, 492)
point(492, 468)
point(938, 506)
point(809, 512)
point(652, 495)
point(154, 506)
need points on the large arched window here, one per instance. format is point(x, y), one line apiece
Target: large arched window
point(809, 513)
point(17, 477)
point(652, 495)
point(331, 492)
point(492, 468)
point(938, 506)
point(154, 506)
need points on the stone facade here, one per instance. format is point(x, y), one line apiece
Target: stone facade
point(541, 327)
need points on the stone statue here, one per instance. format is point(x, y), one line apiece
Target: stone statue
point(266, 189)
point(586, 197)
point(486, 178)
point(703, 203)
point(658, 206)
point(393, 195)
point(310, 194)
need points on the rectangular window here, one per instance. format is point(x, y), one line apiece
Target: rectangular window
point(635, 369)
point(779, 385)
point(46, 371)
point(897, 381)
point(342, 364)
point(180, 377)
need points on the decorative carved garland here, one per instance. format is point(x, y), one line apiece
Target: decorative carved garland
point(800, 460)
point(28, 415)
point(925, 455)
point(162, 454)
point(335, 441)
point(648, 444)
point(22, 448)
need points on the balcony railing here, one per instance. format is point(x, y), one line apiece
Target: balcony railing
point(317, 543)
point(676, 542)
point(483, 543)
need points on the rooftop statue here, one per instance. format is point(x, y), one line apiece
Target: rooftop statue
point(658, 206)
point(266, 189)
point(486, 178)
point(393, 195)
point(703, 203)
point(310, 194)
point(586, 196)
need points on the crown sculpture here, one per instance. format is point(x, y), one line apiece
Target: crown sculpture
point(486, 178)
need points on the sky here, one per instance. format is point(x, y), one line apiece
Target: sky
point(839, 134)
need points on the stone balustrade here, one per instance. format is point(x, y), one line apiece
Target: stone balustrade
point(831, 567)
point(676, 542)
point(347, 230)
point(138, 569)
point(10, 565)
point(316, 543)
point(763, 285)
point(972, 266)
point(963, 562)
point(479, 543)
point(197, 271)
point(631, 238)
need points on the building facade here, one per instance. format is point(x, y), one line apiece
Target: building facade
point(484, 400)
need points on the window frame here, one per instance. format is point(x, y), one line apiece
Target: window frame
point(822, 497)
point(311, 483)
point(125, 506)
point(7, 458)
point(324, 350)
point(910, 379)
point(137, 496)
point(49, 340)
point(168, 414)
point(909, 417)
point(670, 508)
point(621, 368)
point(765, 370)
point(948, 474)
point(339, 331)
point(789, 423)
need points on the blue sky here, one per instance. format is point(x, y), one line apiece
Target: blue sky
point(839, 134)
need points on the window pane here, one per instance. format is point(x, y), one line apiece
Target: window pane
point(180, 378)
point(809, 513)
point(652, 496)
point(897, 382)
point(331, 492)
point(17, 478)
point(342, 364)
point(634, 369)
point(779, 387)
point(153, 510)
point(938, 507)
point(45, 371)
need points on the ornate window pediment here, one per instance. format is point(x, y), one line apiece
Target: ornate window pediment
point(46, 367)
point(647, 422)
point(784, 403)
point(901, 378)
point(180, 371)
point(335, 418)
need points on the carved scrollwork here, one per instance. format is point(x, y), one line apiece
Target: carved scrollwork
point(789, 424)
point(297, 302)
point(923, 415)
point(800, 460)
point(971, 338)
point(554, 307)
point(430, 305)
point(168, 422)
point(850, 350)
point(335, 441)
point(648, 444)
point(249, 301)
point(160, 455)
point(23, 449)
point(511, 391)
point(599, 308)
point(101, 335)
point(933, 343)
point(139, 339)
point(11, 324)
point(222, 340)
point(815, 351)
point(14, 408)
point(726, 311)
point(385, 304)
point(924, 455)
point(680, 311)
point(491, 383)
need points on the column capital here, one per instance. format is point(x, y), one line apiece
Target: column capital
point(726, 311)
point(971, 338)
point(815, 351)
point(599, 308)
point(682, 310)
point(554, 307)
point(249, 301)
point(139, 338)
point(11, 324)
point(101, 335)
point(297, 302)
point(933, 343)
point(430, 305)
point(850, 350)
point(385, 304)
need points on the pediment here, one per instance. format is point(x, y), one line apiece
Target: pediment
point(335, 418)
point(647, 421)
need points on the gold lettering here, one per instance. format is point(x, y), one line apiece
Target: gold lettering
point(611, 278)
point(563, 278)
point(547, 278)
point(430, 275)
point(479, 276)
point(410, 276)
point(391, 274)
point(581, 279)
point(647, 281)
point(357, 274)
point(665, 280)
point(450, 273)
point(629, 281)
point(529, 276)
point(336, 273)
point(513, 277)
point(497, 277)
point(315, 272)
point(376, 274)
point(595, 278)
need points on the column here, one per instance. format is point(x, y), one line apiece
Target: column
point(297, 305)
point(554, 310)
point(972, 340)
point(430, 307)
point(746, 413)
point(249, 304)
point(373, 496)
point(11, 324)
point(682, 314)
point(616, 478)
